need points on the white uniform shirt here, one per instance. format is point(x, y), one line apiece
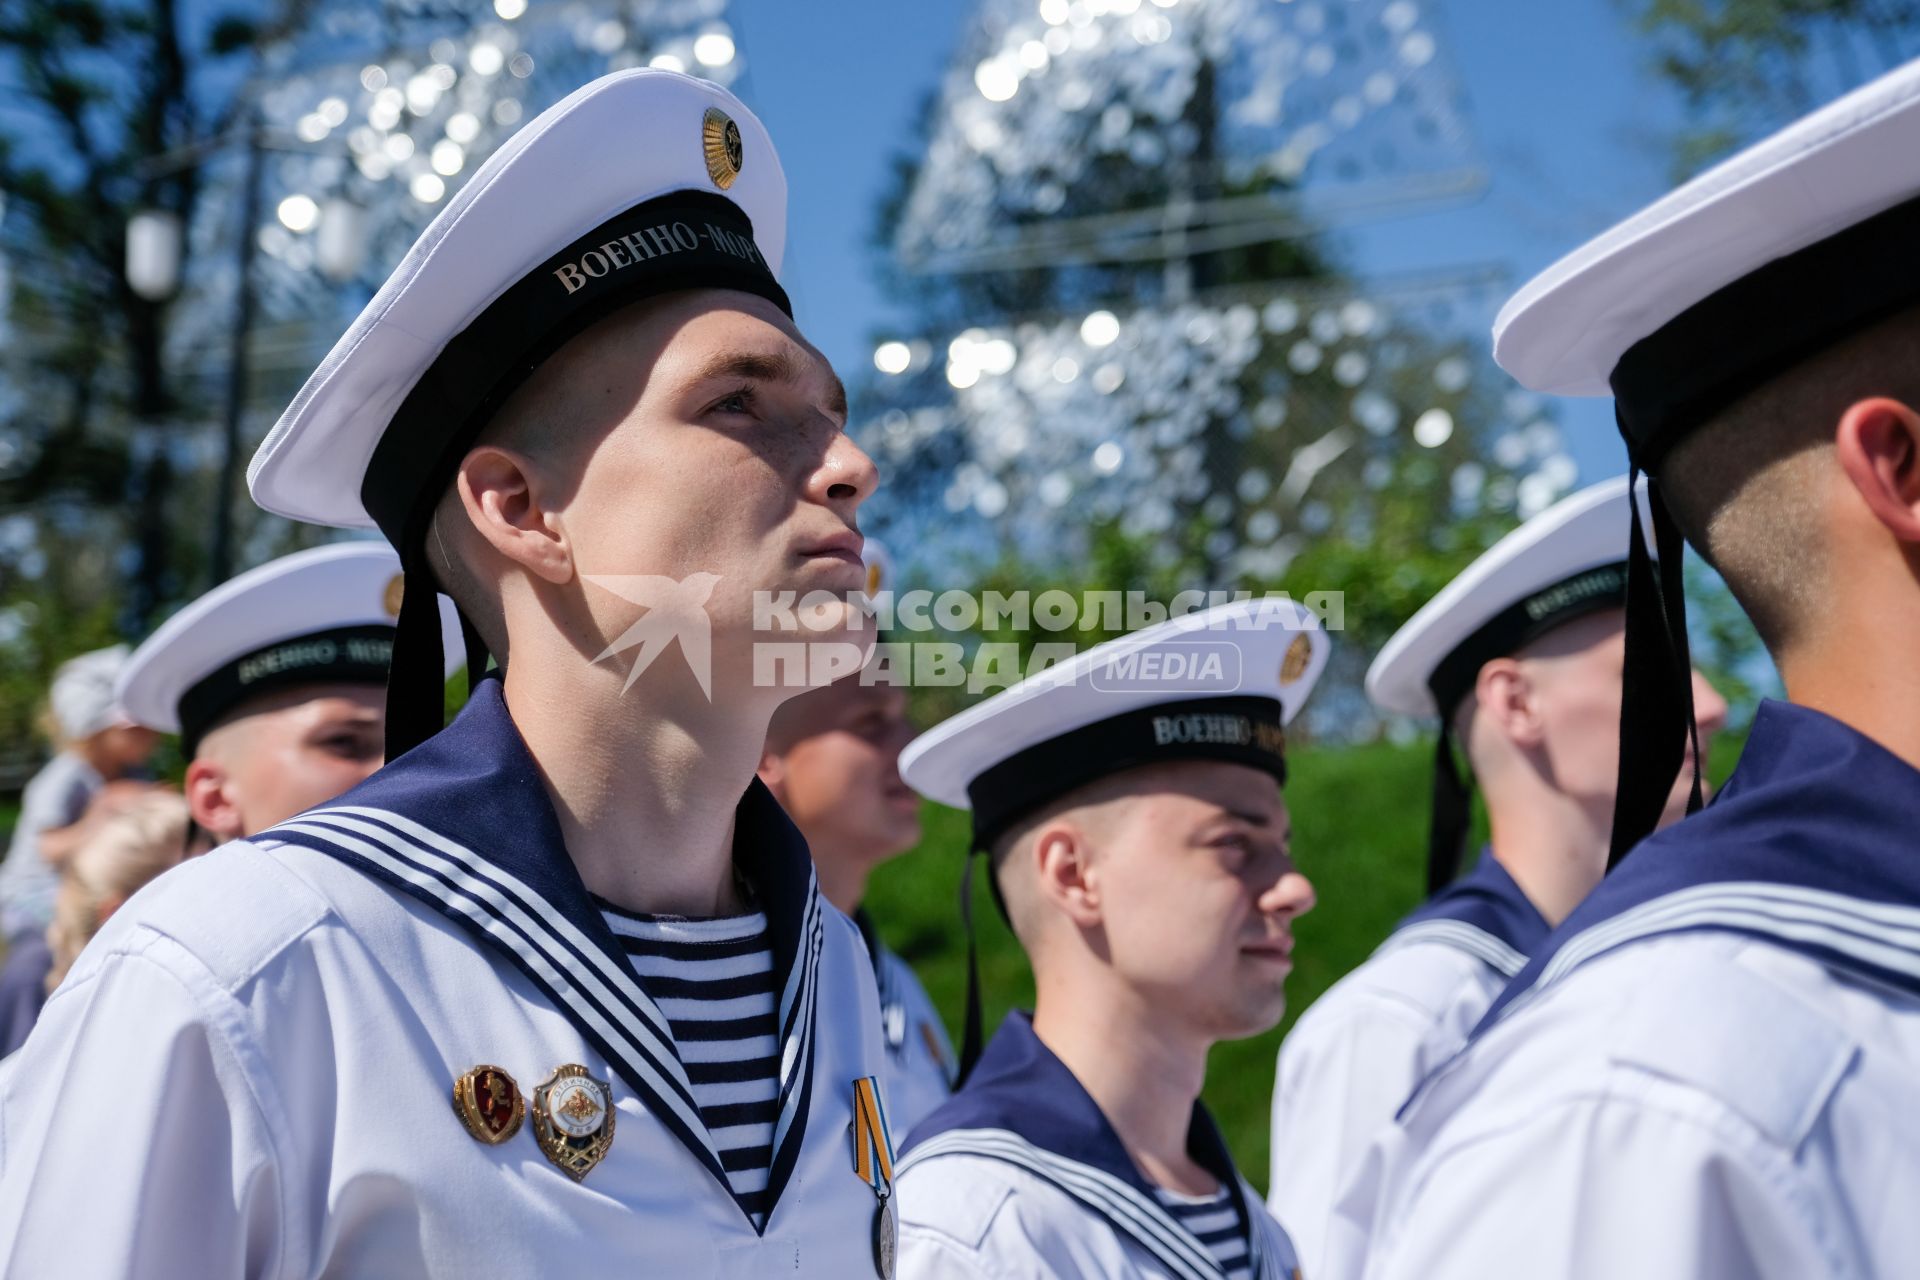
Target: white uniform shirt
point(1353, 1058)
point(250, 1070)
point(1020, 1177)
point(1711, 1071)
point(920, 1060)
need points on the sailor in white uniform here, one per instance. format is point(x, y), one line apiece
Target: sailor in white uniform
point(1712, 1068)
point(276, 683)
point(1519, 659)
point(1140, 849)
point(554, 991)
point(832, 761)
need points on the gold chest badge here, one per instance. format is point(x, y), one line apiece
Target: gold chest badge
point(573, 1120)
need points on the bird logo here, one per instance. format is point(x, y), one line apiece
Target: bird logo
point(675, 610)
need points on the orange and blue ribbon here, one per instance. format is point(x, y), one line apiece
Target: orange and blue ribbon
point(872, 1138)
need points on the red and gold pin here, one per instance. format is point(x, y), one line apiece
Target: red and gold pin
point(489, 1104)
point(573, 1119)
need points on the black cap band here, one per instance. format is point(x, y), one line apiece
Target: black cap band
point(1732, 341)
point(684, 240)
point(1239, 730)
point(1520, 624)
point(338, 655)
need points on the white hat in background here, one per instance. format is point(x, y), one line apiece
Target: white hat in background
point(82, 696)
point(322, 616)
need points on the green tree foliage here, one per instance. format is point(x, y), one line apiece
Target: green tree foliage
point(1743, 67)
point(114, 107)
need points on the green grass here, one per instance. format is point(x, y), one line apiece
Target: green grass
point(1360, 822)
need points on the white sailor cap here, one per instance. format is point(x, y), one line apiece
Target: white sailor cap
point(1757, 263)
point(1569, 560)
point(1218, 684)
point(642, 183)
point(323, 616)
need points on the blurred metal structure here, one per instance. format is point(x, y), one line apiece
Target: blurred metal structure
point(368, 117)
point(415, 96)
point(1142, 131)
point(1138, 347)
point(1117, 232)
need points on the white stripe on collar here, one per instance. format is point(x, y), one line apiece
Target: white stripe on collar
point(1883, 935)
point(1142, 1218)
point(1459, 935)
point(796, 1052)
point(516, 916)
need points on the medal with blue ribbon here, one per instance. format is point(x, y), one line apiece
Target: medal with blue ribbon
point(873, 1161)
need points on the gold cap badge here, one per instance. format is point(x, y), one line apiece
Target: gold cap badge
point(395, 592)
point(1298, 655)
point(489, 1104)
point(720, 137)
point(573, 1120)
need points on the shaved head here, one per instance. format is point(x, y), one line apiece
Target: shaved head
point(1750, 488)
point(1095, 809)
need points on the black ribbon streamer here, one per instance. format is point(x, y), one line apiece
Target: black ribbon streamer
point(1452, 815)
point(972, 1034)
point(1656, 704)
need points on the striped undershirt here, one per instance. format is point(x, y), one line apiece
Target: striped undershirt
point(714, 981)
point(1215, 1221)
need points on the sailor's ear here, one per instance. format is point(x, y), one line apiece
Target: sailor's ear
point(507, 500)
point(1877, 441)
point(1504, 693)
point(1062, 862)
point(213, 801)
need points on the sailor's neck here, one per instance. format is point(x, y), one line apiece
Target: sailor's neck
point(645, 782)
point(1879, 699)
point(1553, 851)
point(1144, 1076)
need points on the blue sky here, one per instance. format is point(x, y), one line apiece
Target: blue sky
point(1571, 127)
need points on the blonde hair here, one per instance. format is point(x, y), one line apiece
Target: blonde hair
point(130, 848)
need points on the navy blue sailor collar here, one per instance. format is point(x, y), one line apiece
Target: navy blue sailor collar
point(463, 823)
point(1483, 913)
point(1025, 1106)
point(1811, 845)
